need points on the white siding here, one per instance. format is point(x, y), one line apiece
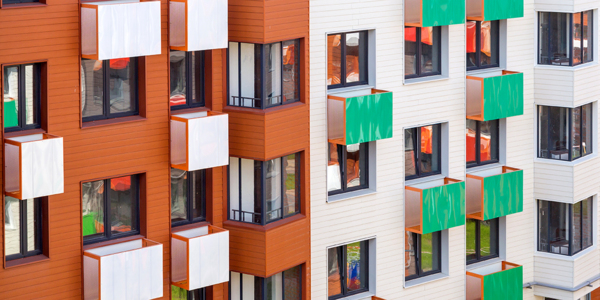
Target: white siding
point(567, 86)
point(565, 5)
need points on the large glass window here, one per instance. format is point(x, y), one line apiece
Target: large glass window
point(188, 197)
point(483, 44)
point(565, 133)
point(187, 79)
point(422, 52)
point(422, 151)
point(483, 144)
point(109, 88)
point(110, 208)
point(286, 285)
point(347, 59)
point(565, 228)
point(347, 168)
point(22, 227)
point(178, 293)
point(482, 240)
point(262, 76)
point(423, 255)
point(565, 39)
point(263, 192)
point(22, 97)
point(348, 270)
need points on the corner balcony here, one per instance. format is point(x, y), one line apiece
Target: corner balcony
point(197, 25)
point(494, 193)
point(492, 10)
point(435, 205)
point(34, 166)
point(502, 279)
point(494, 95)
point(427, 13)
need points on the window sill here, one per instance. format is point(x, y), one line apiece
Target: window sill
point(573, 258)
point(23, 5)
point(115, 121)
point(257, 227)
point(113, 242)
point(350, 195)
point(424, 280)
point(189, 226)
point(566, 163)
point(485, 263)
point(350, 89)
point(424, 179)
point(566, 68)
point(484, 70)
point(25, 261)
point(425, 79)
point(361, 296)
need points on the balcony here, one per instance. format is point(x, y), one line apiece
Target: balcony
point(199, 140)
point(200, 257)
point(492, 10)
point(494, 95)
point(128, 270)
point(119, 29)
point(353, 119)
point(198, 24)
point(500, 279)
point(494, 193)
point(427, 13)
point(34, 166)
point(434, 205)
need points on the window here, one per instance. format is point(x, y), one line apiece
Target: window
point(270, 189)
point(109, 88)
point(188, 197)
point(483, 144)
point(110, 208)
point(347, 169)
point(565, 228)
point(187, 79)
point(565, 133)
point(178, 293)
point(348, 270)
point(5, 2)
point(483, 240)
point(22, 97)
point(347, 59)
point(565, 39)
point(263, 76)
point(423, 254)
point(422, 58)
point(22, 227)
point(483, 44)
point(426, 161)
point(286, 285)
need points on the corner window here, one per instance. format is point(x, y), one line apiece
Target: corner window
point(565, 133)
point(422, 151)
point(347, 59)
point(483, 240)
point(565, 39)
point(110, 208)
point(178, 293)
point(285, 285)
point(565, 228)
point(483, 44)
point(423, 254)
point(263, 76)
point(109, 88)
point(187, 79)
point(22, 97)
point(264, 192)
point(22, 227)
point(347, 168)
point(188, 197)
point(348, 270)
point(422, 51)
point(483, 144)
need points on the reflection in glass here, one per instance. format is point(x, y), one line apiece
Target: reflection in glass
point(92, 88)
point(410, 255)
point(554, 30)
point(471, 44)
point(354, 166)
point(587, 230)
point(197, 193)
point(178, 195)
point(290, 205)
point(355, 266)
point(489, 43)
point(427, 259)
point(334, 175)
point(12, 226)
point(93, 208)
point(122, 85)
point(178, 79)
point(292, 283)
point(334, 59)
point(11, 96)
point(410, 157)
point(356, 57)
point(586, 130)
point(587, 39)
point(291, 76)
point(489, 141)
point(273, 287)
point(471, 141)
point(577, 37)
point(410, 51)
point(565, 132)
point(429, 159)
point(471, 240)
point(273, 189)
point(553, 230)
point(430, 50)
point(334, 275)
point(273, 73)
point(576, 227)
point(122, 205)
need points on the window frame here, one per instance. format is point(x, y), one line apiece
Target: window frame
point(342, 160)
point(39, 207)
point(478, 162)
point(16, 2)
point(200, 82)
point(570, 38)
point(341, 252)
point(569, 226)
point(37, 93)
point(495, 27)
point(417, 149)
point(570, 132)
point(263, 284)
point(343, 62)
point(480, 258)
point(419, 73)
point(417, 247)
point(189, 205)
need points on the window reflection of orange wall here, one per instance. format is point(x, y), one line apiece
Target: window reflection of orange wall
point(426, 140)
point(410, 35)
point(485, 147)
point(334, 58)
point(486, 41)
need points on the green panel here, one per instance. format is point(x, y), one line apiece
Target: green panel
point(502, 96)
point(503, 194)
point(504, 285)
point(443, 12)
point(10, 114)
point(502, 9)
point(369, 118)
point(443, 207)
point(89, 226)
point(178, 293)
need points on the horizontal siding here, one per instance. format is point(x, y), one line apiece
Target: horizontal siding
point(565, 5)
point(554, 181)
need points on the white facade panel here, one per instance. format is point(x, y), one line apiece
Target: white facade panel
point(566, 6)
point(567, 182)
point(566, 86)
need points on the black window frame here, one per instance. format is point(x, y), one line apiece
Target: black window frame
point(569, 227)
point(9, 2)
point(342, 263)
point(260, 103)
point(261, 283)
point(417, 150)
point(134, 63)
point(495, 27)
point(417, 239)
point(570, 131)
point(200, 82)
point(343, 82)
point(480, 258)
point(189, 205)
point(420, 72)
point(23, 238)
point(342, 160)
point(107, 235)
point(570, 31)
point(478, 162)
point(200, 293)
point(37, 93)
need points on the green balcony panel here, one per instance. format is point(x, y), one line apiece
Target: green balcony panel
point(494, 193)
point(491, 10)
point(360, 119)
point(502, 280)
point(435, 206)
point(10, 114)
point(428, 13)
point(494, 95)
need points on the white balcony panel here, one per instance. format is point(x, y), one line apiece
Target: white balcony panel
point(205, 25)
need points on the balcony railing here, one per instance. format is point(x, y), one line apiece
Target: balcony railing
point(494, 193)
point(491, 10)
point(491, 281)
point(255, 102)
point(494, 95)
point(197, 25)
point(427, 13)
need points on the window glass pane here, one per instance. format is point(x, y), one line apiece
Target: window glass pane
point(273, 73)
point(587, 36)
point(334, 175)
point(427, 252)
point(334, 275)
point(250, 205)
point(410, 258)
point(410, 51)
point(429, 158)
point(577, 36)
point(489, 141)
point(410, 155)
point(355, 166)
point(122, 85)
point(274, 286)
point(543, 238)
point(178, 80)
point(233, 56)
point(555, 134)
point(178, 293)
point(430, 49)
point(471, 239)
point(587, 227)
point(356, 266)
point(197, 73)
point(471, 141)
point(197, 193)
point(559, 43)
point(471, 44)
point(558, 228)
point(123, 205)
point(576, 227)
point(292, 283)
point(93, 208)
point(489, 43)
point(92, 92)
point(586, 130)
point(273, 189)
point(334, 59)
point(356, 57)
point(32, 232)
point(31, 94)
point(12, 226)
point(11, 96)
point(488, 238)
point(178, 195)
point(291, 76)
point(290, 203)
point(198, 294)
point(576, 134)
point(543, 116)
